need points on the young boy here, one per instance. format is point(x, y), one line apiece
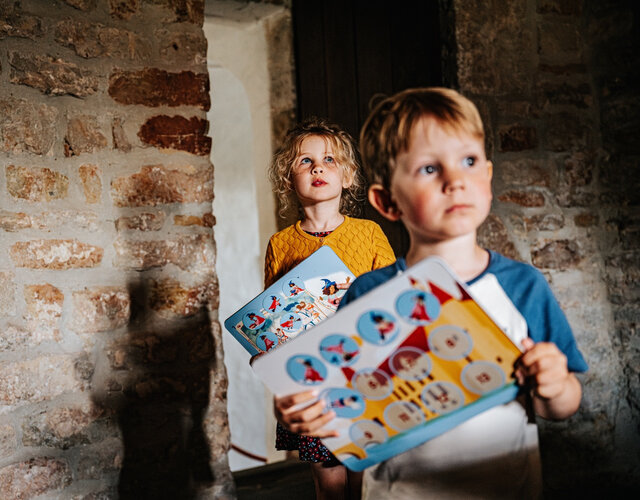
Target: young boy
point(423, 153)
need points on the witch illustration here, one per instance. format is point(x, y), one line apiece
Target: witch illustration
point(257, 321)
point(311, 375)
point(419, 312)
point(341, 354)
point(274, 303)
point(294, 289)
point(383, 325)
point(268, 343)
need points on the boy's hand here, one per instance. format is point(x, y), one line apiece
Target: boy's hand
point(307, 421)
point(543, 368)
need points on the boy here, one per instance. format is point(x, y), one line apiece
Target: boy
point(423, 153)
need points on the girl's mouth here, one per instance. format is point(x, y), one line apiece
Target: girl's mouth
point(318, 183)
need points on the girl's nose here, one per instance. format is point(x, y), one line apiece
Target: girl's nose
point(316, 169)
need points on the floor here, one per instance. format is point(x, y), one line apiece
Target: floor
point(290, 479)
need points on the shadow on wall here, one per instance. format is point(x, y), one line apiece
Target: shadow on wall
point(160, 391)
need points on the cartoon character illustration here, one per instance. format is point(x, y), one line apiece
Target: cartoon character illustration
point(294, 289)
point(275, 303)
point(374, 384)
point(419, 312)
point(341, 354)
point(281, 335)
point(352, 402)
point(311, 375)
point(410, 364)
point(330, 288)
point(256, 321)
point(267, 342)
point(290, 322)
point(308, 311)
point(383, 325)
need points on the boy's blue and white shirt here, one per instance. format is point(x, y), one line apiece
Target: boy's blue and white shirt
point(495, 454)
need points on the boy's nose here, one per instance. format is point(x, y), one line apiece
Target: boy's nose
point(453, 180)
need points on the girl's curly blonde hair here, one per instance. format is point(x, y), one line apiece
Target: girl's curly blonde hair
point(346, 155)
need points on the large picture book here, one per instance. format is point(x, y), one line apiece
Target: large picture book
point(400, 365)
point(302, 298)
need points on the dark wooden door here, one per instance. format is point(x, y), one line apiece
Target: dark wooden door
point(348, 52)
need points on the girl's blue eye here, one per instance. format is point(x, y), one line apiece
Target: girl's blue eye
point(305, 160)
point(469, 161)
point(428, 169)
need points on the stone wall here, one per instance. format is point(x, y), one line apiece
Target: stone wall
point(111, 373)
point(556, 83)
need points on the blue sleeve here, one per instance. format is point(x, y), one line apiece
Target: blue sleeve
point(368, 281)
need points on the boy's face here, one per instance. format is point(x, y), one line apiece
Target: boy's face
point(317, 177)
point(441, 186)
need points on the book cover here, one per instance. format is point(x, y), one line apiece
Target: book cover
point(400, 365)
point(302, 298)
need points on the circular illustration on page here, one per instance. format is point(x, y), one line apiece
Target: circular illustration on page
point(254, 321)
point(410, 363)
point(339, 350)
point(442, 397)
point(306, 370)
point(293, 287)
point(481, 377)
point(372, 384)
point(272, 303)
point(377, 327)
point(345, 402)
point(403, 415)
point(450, 342)
point(291, 322)
point(267, 340)
point(418, 307)
point(366, 433)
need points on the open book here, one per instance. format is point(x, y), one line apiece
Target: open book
point(299, 300)
point(400, 365)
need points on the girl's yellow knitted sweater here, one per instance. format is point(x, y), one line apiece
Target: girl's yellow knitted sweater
point(360, 243)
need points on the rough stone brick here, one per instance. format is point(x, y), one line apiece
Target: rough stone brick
point(183, 10)
point(155, 87)
point(18, 24)
point(8, 440)
point(12, 222)
point(563, 7)
point(49, 376)
point(13, 338)
point(493, 234)
point(7, 293)
point(580, 96)
point(586, 219)
point(36, 184)
point(123, 9)
point(578, 169)
point(517, 138)
point(64, 427)
point(100, 309)
point(523, 198)
point(120, 140)
point(188, 252)
point(82, 4)
point(170, 298)
point(48, 221)
point(182, 47)
point(91, 182)
point(559, 41)
point(51, 75)
point(104, 458)
point(177, 132)
point(55, 254)
point(141, 222)
point(34, 477)
point(96, 40)
point(44, 309)
point(544, 222)
point(561, 254)
point(564, 69)
point(83, 136)
point(524, 172)
point(206, 220)
point(156, 184)
point(27, 127)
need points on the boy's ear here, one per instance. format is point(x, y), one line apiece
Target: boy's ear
point(380, 199)
point(490, 168)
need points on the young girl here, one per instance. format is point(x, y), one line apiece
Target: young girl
point(317, 167)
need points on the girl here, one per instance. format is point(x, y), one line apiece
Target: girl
point(317, 168)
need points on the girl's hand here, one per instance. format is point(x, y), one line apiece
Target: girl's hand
point(307, 421)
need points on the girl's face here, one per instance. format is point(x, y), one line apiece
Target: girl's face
point(317, 177)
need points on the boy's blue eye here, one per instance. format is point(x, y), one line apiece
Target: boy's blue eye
point(428, 169)
point(328, 159)
point(469, 161)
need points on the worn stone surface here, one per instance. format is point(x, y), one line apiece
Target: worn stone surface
point(178, 46)
point(523, 198)
point(7, 294)
point(525, 172)
point(90, 176)
point(27, 126)
point(517, 138)
point(34, 477)
point(191, 11)
point(120, 140)
point(155, 87)
point(104, 458)
point(123, 9)
point(156, 184)
point(44, 309)
point(51, 75)
point(177, 132)
point(36, 184)
point(55, 254)
point(90, 40)
point(586, 219)
point(83, 136)
point(15, 338)
point(100, 309)
point(195, 253)
point(170, 298)
point(48, 221)
point(142, 222)
point(82, 4)
point(8, 440)
point(563, 254)
point(49, 376)
point(494, 234)
point(206, 220)
point(19, 24)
